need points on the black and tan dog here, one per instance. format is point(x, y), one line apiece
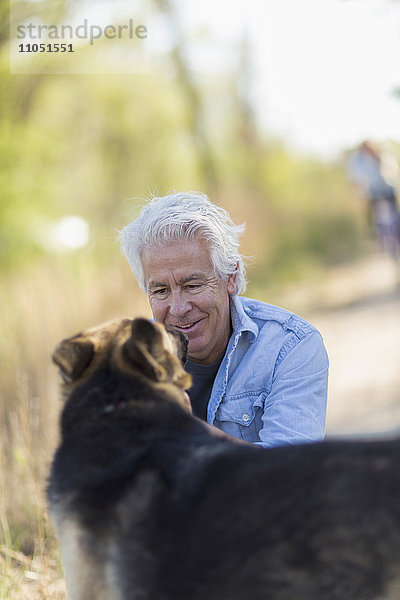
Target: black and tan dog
point(149, 505)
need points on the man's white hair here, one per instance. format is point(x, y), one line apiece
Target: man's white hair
point(180, 216)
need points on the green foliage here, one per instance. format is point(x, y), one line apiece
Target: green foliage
point(96, 146)
point(88, 145)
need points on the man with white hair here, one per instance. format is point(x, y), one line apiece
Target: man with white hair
point(259, 372)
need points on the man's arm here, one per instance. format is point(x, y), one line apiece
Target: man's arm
point(295, 409)
point(222, 435)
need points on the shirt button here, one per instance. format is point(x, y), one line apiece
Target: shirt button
point(246, 418)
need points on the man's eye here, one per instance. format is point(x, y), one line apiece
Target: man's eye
point(193, 286)
point(160, 292)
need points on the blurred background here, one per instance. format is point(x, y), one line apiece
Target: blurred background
point(257, 103)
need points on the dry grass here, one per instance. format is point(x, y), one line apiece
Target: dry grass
point(41, 306)
point(33, 578)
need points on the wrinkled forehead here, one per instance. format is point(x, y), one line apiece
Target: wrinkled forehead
point(179, 259)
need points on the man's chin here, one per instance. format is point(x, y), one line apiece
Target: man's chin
point(196, 352)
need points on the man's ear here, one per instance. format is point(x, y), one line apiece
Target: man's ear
point(232, 282)
point(143, 349)
point(73, 356)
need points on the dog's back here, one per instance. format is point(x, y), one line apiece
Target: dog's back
point(149, 506)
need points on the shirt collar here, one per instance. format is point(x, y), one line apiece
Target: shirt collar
point(241, 321)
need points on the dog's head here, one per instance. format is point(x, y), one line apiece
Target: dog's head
point(134, 347)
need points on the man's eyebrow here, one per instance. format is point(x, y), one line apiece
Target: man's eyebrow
point(197, 276)
point(192, 277)
point(155, 284)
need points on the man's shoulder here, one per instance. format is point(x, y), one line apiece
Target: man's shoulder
point(264, 314)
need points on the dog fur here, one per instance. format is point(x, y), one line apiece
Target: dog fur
point(149, 505)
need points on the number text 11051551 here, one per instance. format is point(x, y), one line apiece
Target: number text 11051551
point(45, 48)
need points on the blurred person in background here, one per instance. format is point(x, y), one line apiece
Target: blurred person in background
point(259, 372)
point(375, 176)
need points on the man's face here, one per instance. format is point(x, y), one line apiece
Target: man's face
point(186, 294)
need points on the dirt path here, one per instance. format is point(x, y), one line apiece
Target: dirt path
point(360, 323)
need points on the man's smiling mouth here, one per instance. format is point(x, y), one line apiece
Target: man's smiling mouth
point(187, 326)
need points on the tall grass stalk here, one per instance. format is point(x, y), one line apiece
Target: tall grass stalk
point(42, 305)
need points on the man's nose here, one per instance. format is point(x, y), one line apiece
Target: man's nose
point(179, 305)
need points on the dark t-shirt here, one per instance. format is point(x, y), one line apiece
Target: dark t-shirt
point(202, 381)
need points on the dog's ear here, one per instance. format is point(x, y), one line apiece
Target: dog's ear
point(146, 332)
point(73, 356)
point(143, 349)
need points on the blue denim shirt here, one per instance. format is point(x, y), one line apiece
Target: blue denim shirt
point(271, 387)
